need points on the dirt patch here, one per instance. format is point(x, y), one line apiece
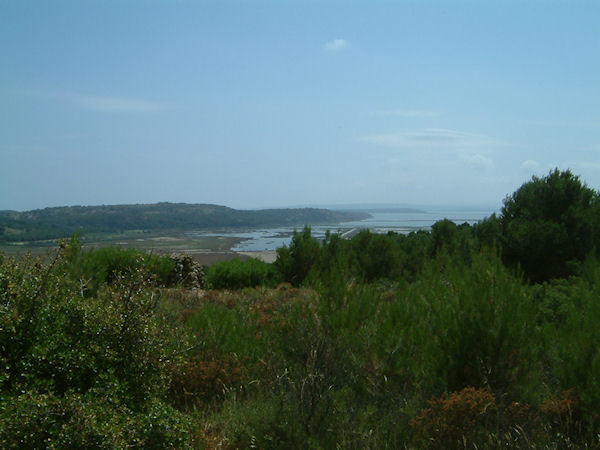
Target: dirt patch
point(268, 256)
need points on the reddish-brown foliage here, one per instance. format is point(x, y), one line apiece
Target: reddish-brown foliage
point(199, 380)
point(563, 412)
point(453, 418)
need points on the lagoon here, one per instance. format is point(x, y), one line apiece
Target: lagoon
point(379, 222)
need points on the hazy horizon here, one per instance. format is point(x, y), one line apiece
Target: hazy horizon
point(339, 207)
point(257, 104)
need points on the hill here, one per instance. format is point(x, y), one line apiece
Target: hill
point(51, 223)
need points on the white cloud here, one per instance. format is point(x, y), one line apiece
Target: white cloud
point(336, 44)
point(118, 104)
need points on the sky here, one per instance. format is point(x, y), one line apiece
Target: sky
point(254, 104)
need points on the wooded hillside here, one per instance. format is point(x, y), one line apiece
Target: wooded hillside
point(50, 223)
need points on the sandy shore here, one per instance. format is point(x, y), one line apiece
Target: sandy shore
point(268, 256)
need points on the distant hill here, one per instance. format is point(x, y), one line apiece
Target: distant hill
point(51, 223)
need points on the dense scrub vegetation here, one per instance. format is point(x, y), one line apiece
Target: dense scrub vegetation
point(237, 274)
point(447, 339)
point(61, 222)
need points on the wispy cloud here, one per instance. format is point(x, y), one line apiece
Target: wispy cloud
point(407, 113)
point(102, 103)
point(118, 104)
point(439, 144)
point(335, 45)
point(433, 138)
point(592, 124)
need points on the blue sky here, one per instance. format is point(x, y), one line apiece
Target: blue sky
point(264, 103)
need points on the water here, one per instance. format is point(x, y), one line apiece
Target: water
point(380, 222)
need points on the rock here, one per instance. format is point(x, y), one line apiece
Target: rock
point(187, 272)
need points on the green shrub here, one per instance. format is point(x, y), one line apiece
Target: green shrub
point(456, 240)
point(238, 274)
point(378, 256)
point(482, 323)
point(488, 232)
point(36, 420)
point(93, 268)
point(573, 346)
point(73, 370)
point(261, 422)
point(295, 262)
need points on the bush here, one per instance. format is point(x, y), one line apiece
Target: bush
point(238, 274)
point(453, 239)
point(35, 420)
point(457, 420)
point(378, 256)
point(295, 262)
point(573, 344)
point(480, 325)
point(81, 372)
point(261, 422)
point(93, 268)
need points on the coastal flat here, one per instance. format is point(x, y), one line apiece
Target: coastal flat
point(207, 250)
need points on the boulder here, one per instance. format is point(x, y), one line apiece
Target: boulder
point(187, 272)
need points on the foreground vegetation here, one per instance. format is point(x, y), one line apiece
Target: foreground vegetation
point(448, 339)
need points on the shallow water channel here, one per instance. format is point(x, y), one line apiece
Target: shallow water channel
point(380, 222)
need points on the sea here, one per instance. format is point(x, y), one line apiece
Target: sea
point(404, 222)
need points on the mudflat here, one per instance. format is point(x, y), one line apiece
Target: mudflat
point(207, 250)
